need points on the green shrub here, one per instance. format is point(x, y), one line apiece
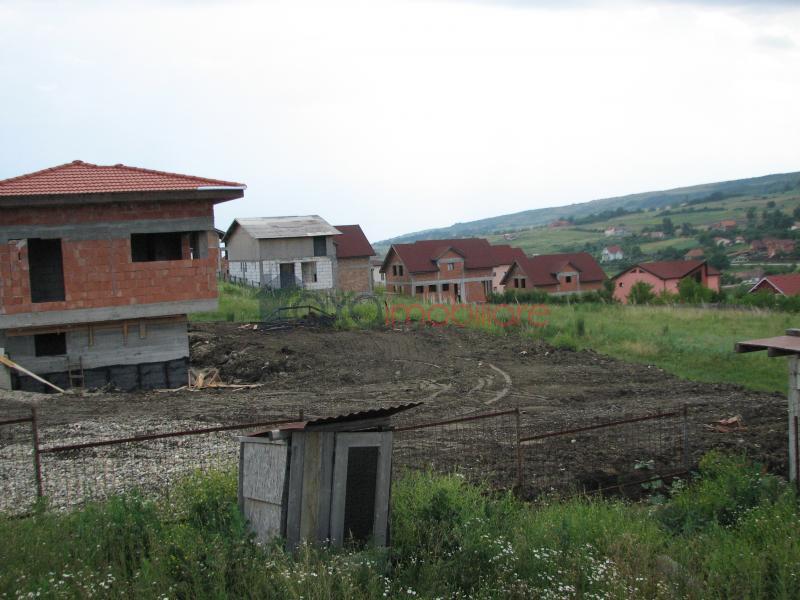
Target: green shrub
point(728, 486)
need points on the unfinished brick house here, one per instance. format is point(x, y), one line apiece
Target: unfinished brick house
point(442, 271)
point(504, 257)
point(665, 276)
point(565, 273)
point(353, 254)
point(99, 266)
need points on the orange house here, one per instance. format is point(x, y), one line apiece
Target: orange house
point(665, 276)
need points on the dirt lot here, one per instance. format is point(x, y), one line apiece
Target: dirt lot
point(455, 372)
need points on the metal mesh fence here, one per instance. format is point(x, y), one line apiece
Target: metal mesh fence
point(482, 448)
point(627, 455)
point(17, 469)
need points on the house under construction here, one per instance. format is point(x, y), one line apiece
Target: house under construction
point(99, 266)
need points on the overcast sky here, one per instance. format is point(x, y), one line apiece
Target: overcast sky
point(405, 115)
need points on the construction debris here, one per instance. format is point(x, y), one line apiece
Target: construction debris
point(201, 379)
point(728, 425)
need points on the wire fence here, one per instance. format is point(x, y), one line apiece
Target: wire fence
point(481, 447)
point(628, 456)
point(19, 473)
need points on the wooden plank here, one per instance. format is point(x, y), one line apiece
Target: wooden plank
point(11, 364)
point(380, 526)
point(295, 495)
point(326, 482)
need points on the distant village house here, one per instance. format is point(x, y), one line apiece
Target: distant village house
point(566, 273)
point(724, 225)
point(665, 276)
point(611, 253)
point(784, 285)
point(695, 254)
point(616, 231)
point(442, 271)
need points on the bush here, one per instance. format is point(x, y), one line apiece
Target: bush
point(728, 487)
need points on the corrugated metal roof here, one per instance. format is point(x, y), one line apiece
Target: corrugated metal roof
point(363, 415)
point(284, 227)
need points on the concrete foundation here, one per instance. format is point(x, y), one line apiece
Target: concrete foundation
point(146, 376)
point(143, 354)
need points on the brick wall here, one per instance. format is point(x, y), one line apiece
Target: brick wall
point(354, 274)
point(100, 272)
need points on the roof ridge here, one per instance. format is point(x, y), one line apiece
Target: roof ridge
point(156, 172)
point(42, 171)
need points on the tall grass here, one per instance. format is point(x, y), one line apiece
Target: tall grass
point(731, 533)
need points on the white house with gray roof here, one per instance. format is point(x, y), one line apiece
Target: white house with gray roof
point(281, 252)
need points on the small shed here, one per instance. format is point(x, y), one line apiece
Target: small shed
point(323, 480)
point(785, 345)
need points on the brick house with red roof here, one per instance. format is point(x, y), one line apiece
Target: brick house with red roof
point(785, 285)
point(353, 254)
point(442, 271)
point(564, 273)
point(99, 266)
point(665, 276)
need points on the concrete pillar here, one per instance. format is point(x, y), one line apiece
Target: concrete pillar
point(298, 272)
point(5, 374)
point(794, 419)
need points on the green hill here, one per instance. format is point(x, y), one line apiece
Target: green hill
point(697, 205)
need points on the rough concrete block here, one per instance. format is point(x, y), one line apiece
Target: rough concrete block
point(124, 377)
point(153, 375)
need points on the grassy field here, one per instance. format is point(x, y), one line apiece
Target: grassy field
point(731, 533)
point(693, 343)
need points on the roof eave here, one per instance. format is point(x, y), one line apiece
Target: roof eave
point(44, 200)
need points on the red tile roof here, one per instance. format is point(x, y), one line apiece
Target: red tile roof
point(79, 177)
point(613, 249)
point(788, 285)
point(421, 256)
point(505, 255)
point(541, 270)
point(352, 243)
point(670, 269)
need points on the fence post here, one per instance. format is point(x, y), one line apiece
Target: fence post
point(519, 451)
point(685, 431)
point(37, 463)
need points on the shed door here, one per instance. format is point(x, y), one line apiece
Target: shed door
point(362, 474)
